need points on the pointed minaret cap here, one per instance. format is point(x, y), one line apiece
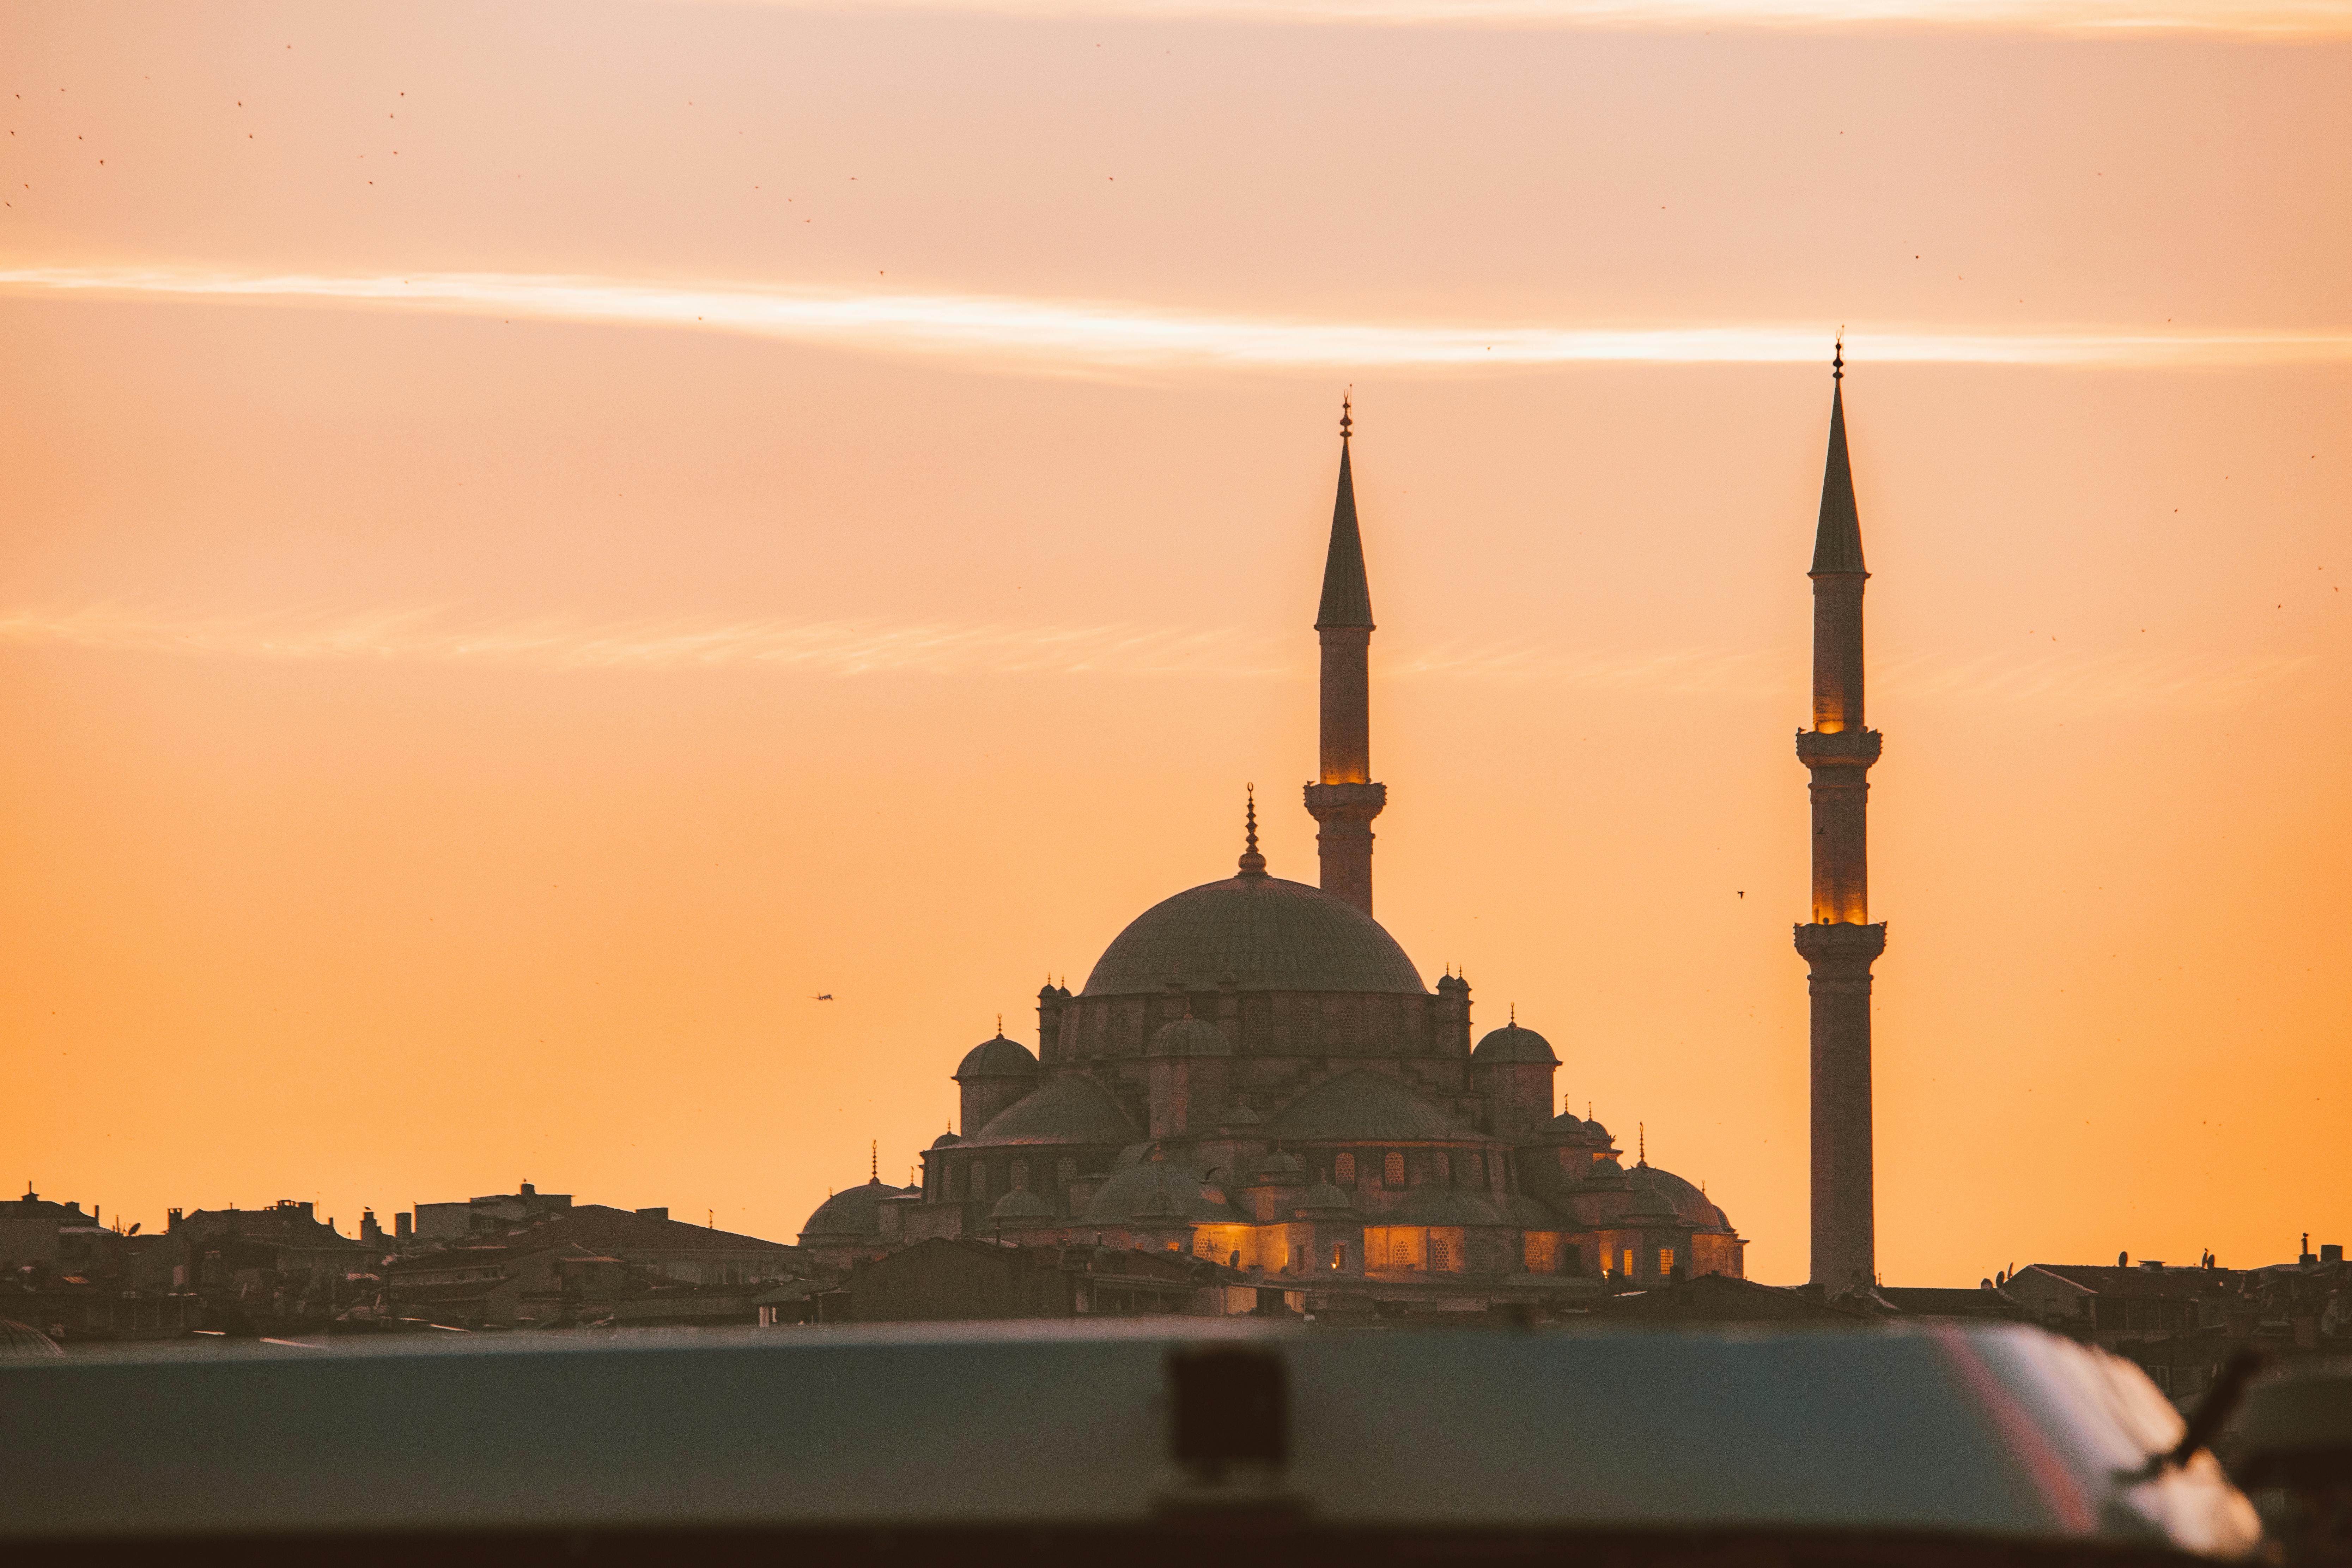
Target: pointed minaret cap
point(1347, 596)
point(1837, 542)
point(1253, 863)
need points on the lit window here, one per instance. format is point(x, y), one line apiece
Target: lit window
point(1626, 1267)
point(1339, 1256)
point(1343, 1170)
point(1066, 1171)
point(1203, 1244)
point(1400, 1255)
point(1665, 1262)
point(1393, 1169)
point(1441, 1255)
point(1020, 1175)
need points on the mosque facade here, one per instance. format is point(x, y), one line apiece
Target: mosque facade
point(1255, 1072)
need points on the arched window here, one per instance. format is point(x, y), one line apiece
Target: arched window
point(1065, 1170)
point(1020, 1175)
point(1399, 1254)
point(1443, 1174)
point(1343, 1170)
point(1203, 1244)
point(1440, 1253)
point(1393, 1169)
point(979, 1180)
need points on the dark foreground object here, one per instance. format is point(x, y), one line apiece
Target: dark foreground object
point(1224, 1444)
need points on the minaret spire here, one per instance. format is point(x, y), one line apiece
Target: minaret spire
point(1344, 799)
point(1839, 942)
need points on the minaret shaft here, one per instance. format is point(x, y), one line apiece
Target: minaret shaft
point(1347, 704)
point(1839, 943)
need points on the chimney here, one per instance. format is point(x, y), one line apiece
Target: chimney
point(528, 1191)
point(662, 1213)
point(401, 1224)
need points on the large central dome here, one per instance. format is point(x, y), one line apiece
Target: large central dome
point(1264, 933)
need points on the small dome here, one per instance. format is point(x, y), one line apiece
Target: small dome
point(1069, 1110)
point(853, 1211)
point(999, 1057)
point(1513, 1044)
point(1240, 1116)
point(1190, 1037)
point(1324, 1196)
point(946, 1140)
point(1281, 1167)
point(1020, 1204)
point(1604, 1172)
point(24, 1340)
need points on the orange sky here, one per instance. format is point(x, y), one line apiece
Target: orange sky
point(458, 708)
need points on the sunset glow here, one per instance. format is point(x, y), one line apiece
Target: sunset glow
point(543, 538)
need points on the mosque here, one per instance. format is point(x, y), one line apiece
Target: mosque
point(1256, 1073)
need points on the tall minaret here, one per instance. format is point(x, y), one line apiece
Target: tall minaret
point(1839, 943)
point(1344, 801)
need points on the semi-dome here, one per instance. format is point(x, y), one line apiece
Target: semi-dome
point(854, 1211)
point(1364, 1105)
point(1650, 1200)
point(1513, 1044)
point(999, 1057)
point(1261, 932)
point(1153, 1189)
point(1689, 1202)
point(1069, 1110)
point(1189, 1036)
point(1020, 1204)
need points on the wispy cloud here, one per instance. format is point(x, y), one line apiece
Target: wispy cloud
point(1046, 334)
point(816, 649)
point(2255, 17)
point(2249, 17)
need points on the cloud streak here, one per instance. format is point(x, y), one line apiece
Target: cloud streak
point(1071, 335)
point(2254, 17)
point(831, 650)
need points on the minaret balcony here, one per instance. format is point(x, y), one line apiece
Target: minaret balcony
point(1832, 944)
point(1837, 748)
point(1346, 801)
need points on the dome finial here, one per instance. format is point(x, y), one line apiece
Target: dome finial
point(1515, 1015)
point(1642, 1144)
point(1253, 863)
point(874, 1161)
point(999, 1026)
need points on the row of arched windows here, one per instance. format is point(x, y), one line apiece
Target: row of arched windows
point(1476, 1171)
point(973, 1177)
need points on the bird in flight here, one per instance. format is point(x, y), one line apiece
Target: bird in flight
point(822, 996)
